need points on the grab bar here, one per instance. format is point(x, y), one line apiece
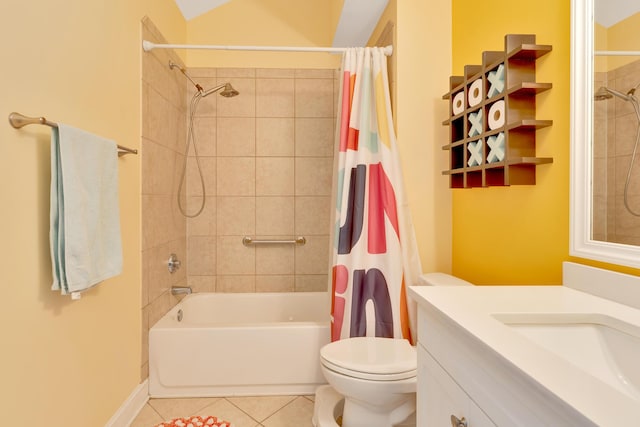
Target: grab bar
point(247, 241)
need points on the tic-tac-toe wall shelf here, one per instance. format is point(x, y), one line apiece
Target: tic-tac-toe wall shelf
point(492, 123)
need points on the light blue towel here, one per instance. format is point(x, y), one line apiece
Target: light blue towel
point(84, 235)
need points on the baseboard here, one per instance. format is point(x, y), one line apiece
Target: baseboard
point(131, 407)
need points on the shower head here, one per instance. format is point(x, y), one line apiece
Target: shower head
point(602, 94)
point(608, 93)
point(227, 90)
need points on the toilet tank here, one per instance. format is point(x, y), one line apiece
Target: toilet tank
point(441, 279)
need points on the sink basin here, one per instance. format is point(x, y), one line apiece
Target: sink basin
point(603, 346)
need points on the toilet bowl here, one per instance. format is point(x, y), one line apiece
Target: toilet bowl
point(376, 377)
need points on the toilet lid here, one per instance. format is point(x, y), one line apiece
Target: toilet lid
point(371, 358)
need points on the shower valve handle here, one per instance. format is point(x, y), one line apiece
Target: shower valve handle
point(458, 422)
point(173, 263)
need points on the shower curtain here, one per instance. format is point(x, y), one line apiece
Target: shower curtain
point(374, 254)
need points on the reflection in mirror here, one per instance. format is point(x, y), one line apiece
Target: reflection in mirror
point(616, 121)
point(605, 117)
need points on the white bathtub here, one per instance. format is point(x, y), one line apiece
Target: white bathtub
point(239, 344)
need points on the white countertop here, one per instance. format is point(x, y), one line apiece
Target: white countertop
point(473, 309)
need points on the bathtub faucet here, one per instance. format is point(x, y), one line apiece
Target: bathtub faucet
point(179, 290)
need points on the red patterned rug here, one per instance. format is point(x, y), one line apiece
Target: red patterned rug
point(195, 421)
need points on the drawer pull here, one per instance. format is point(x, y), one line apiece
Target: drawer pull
point(458, 422)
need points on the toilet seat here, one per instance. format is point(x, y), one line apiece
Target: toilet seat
point(371, 358)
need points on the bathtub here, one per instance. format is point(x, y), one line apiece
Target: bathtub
point(239, 344)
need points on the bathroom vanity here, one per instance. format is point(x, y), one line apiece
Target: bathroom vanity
point(531, 355)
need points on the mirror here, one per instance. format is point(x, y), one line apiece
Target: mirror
point(605, 173)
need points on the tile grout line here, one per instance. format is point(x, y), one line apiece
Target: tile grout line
point(156, 411)
point(210, 403)
point(243, 411)
point(281, 408)
point(295, 133)
point(255, 182)
point(296, 397)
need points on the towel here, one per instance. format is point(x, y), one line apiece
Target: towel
point(84, 233)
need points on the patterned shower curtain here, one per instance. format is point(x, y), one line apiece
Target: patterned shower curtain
point(374, 253)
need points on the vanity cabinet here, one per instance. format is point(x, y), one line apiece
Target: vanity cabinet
point(459, 375)
point(492, 123)
point(441, 402)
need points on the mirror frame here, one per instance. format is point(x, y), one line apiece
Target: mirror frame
point(580, 242)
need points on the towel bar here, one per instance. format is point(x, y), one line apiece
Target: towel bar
point(18, 120)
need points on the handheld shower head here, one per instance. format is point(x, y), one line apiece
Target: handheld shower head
point(632, 91)
point(173, 65)
point(624, 96)
point(608, 93)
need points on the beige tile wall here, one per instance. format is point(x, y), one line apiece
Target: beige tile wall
point(615, 131)
point(267, 156)
point(163, 227)
point(600, 152)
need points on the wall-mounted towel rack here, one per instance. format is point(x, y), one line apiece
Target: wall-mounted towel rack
point(18, 120)
point(247, 241)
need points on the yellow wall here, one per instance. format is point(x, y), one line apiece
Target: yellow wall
point(519, 234)
point(78, 62)
point(600, 63)
point(419, 69)
point(265, 23)
point(379, 37)
point(625, 35)
point(423, 69)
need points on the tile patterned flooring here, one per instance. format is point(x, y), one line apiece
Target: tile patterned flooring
point(259, 411)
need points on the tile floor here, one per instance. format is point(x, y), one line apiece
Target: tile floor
point(260, 411)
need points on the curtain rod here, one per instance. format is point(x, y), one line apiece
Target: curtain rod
point(617, 53)
point(147, 46)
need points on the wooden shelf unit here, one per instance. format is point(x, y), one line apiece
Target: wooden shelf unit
point(517, 124)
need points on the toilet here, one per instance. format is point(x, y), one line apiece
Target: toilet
point(372, 380)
